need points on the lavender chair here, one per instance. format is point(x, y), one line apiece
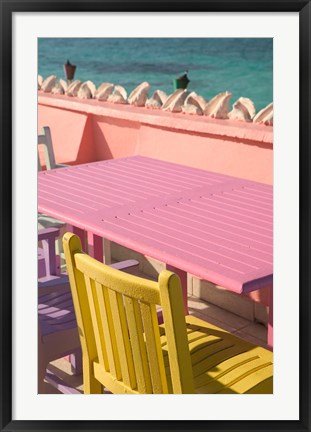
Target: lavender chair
point(46, 221)
point(57, 327)
point(45, 140)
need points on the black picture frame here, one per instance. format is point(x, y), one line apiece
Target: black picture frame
point(8, 7)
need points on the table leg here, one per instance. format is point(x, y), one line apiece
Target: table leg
point(80, 233)
point(107, 251)
point(270, 322)
point(95, 246)
point(99, 248)
point(183, 278)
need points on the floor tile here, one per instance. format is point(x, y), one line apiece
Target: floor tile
point(232, 321)
point(255, 329)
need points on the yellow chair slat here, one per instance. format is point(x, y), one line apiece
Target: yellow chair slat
point(198, 334)
point(138, 345)
point(227, 374)
point(97, 323)
point(176, 334)
point(154, 350)
point(213, 353)
point(247, 382)
point(122, 339)
point(212, 362)
point(113, 361)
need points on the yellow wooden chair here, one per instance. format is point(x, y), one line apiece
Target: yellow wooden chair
point(125, 350)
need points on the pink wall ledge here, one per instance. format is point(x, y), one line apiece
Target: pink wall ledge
point(89, 130)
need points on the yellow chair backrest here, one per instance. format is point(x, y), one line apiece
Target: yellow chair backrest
point(118, 327)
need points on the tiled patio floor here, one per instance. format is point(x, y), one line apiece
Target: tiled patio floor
point(253, 332)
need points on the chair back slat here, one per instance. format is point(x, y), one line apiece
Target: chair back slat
point(122, 339)
point(96, 321)
point(45, 139)
point(126, 351)
point(154, 350)
point(138, 344)
point(113, 361)
point(176, 333)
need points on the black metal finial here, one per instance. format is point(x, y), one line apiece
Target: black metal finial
point(69, 70)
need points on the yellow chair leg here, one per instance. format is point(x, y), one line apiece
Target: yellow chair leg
point(90, 384)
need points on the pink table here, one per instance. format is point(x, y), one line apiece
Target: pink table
point(213, 226)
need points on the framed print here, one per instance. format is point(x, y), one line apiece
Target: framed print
point(200, 114)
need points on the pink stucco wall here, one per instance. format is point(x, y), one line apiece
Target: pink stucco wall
point(89, 130)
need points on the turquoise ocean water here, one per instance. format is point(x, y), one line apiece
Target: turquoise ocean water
point(242, 66)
